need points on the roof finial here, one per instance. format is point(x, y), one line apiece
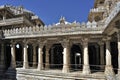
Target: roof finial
point(62, 20)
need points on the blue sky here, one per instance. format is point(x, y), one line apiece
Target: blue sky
point(51, 10)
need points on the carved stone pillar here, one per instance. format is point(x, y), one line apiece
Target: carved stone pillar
point(47, 64)
point(25, 62)
point(97, 54)
point(40, 56)
point(118, 75)
point(65, 56)
point(108, 67)
point(102, 60)
point(118, 35)
point(2, 59)
point(13, 61)
point(52, 55)
point(34, 56)
point(86, 67)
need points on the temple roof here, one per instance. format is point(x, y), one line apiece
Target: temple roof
point(16, 10)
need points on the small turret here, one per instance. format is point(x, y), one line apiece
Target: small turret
point(62, 20)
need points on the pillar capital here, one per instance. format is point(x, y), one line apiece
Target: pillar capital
point(34, 44)
point(25, 45)
point(25, 41)
point(85, 41)
point(48, 46)
point(12, 43)
point(41, 43)
point(65, 42)
point(101, 43)
point(106, 38)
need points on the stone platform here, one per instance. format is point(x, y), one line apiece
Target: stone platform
point(33, 74)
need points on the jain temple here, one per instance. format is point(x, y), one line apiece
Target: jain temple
point(30, 50)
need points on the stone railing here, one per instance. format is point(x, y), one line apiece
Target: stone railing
point(113, 13)
point(54, 30)
point(11, 21)
point(99, 9)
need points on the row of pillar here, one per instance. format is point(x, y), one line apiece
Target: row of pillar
point(66, 56)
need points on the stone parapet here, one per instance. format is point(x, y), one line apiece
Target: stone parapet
point(55, 30)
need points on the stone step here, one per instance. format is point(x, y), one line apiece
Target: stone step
point(57, 74)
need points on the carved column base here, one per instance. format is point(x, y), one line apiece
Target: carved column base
point(25, 65)
point(109, 70)
point(40, 67)
point(119, 71)
point(13, 65)
point(34, 65)
point(86, 69)
point(102, 68)
point(65, 69)
point(110, 75)
point(118, 75)
point(47, 66)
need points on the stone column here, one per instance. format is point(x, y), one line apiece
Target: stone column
point(34, 56)
point(65, 56)
point(108, 67)
point(118, 35)
point(13, 61)
point(52, 55)
point(118, 75)
point(97, 54)
point(2, 59)
point(25, 62)
point(40, 56)
point(102, 60)
point(86, 67)
point(47, 59)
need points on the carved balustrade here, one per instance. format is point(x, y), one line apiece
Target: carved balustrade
point(73, 28)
